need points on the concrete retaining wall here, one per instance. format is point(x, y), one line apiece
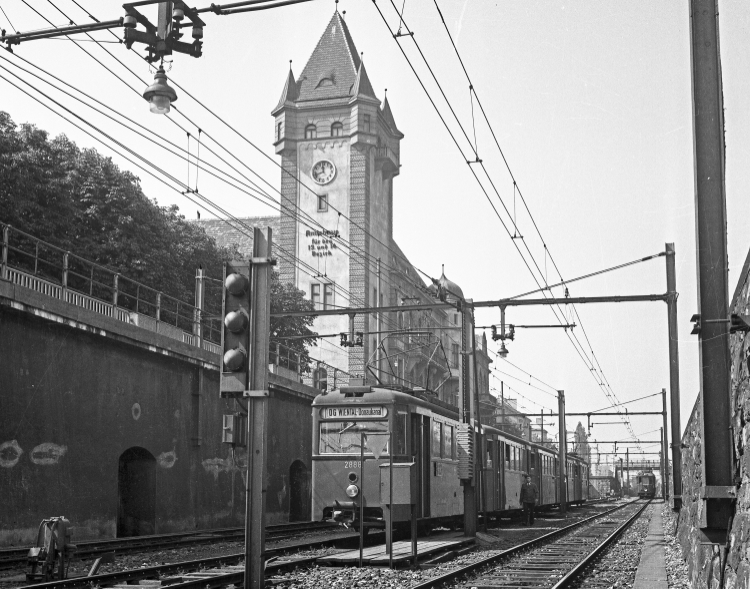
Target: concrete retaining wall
point(78, 390)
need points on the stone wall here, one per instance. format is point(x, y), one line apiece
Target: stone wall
point(704, 561)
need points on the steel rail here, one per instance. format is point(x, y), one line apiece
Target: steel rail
point(573, 574)
point(12, 557)
point(157, 571)
point(452, 575)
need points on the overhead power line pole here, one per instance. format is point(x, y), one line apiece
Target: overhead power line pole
point(718, 490)
point(562, 453)
point(257, 410)
point(674, 379)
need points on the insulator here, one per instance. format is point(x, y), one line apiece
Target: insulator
point(178, 14)
point(197, 32)
point(129, 22)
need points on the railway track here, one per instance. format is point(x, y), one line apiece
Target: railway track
point(11, 558)
point(551, 561)
point(217, 571)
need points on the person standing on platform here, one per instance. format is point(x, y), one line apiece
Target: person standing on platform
point(529, 495)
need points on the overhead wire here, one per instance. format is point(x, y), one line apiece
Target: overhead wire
point(593, 363)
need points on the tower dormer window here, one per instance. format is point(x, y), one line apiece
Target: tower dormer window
point(366, 124)
point(278, 131)
point(337, 129)
point(311, 132)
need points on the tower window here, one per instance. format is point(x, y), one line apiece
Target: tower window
point(311, 132)
point(337, 130)
point(366, 124)
point(315, 295)
point(278, 131)
point(327, 302)
point(328, 296)
point(322, 203)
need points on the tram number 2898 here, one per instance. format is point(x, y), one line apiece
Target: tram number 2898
point(353, 464)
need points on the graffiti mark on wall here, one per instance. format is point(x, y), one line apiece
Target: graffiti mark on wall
point(48, 453)
point(216, 465)
point(166, 459)
point(10, 454)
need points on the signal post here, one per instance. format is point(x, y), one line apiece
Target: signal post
point(246, 312)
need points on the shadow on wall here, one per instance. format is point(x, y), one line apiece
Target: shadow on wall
point(299, 496)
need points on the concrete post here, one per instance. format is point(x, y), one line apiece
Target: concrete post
point(665, 446)
point(713, 299)
point(674, 379)
point(562, 454)
point(257, 409)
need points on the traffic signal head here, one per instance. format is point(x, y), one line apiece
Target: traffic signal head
point(235, 332)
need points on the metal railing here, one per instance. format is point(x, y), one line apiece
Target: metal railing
point(33, 263)
point(314, 373)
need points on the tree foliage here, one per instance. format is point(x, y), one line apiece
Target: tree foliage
point(81, 201)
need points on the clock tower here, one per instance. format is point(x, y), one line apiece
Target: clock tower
point(339, 149)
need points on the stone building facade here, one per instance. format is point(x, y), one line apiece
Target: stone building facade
point(705, 560)
point(339, 149)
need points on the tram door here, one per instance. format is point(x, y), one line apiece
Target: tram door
point(535, 470)
point(421, 450)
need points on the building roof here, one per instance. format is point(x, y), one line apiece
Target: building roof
point(290, 92)
point(331, 71)
point(388, 116)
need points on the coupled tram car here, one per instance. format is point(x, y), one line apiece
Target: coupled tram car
point(646, 485)
point(423, 431)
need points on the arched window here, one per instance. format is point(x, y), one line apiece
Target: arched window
point(337, 129)
point(311, 132)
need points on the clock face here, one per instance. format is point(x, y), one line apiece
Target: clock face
point(323, 172)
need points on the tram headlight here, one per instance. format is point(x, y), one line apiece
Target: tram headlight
point(352, 491)
point(352, 477)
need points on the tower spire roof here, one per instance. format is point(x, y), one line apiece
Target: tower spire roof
point(388, 115)
point(290, 92)
point(332, 69)
point(362, 86)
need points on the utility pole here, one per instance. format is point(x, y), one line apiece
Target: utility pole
point(665, 446)
point(717, 454)
point(502, 403)
point(200, 294)
point(661, 465)
point(562, 453)
point(378, 303)
point(674, 379)
point(627, 468)
point(466, 438)
point(478, 414)
point(257, 410)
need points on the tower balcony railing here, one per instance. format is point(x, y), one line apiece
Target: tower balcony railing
point(386, 155)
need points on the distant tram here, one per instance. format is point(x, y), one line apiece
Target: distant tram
point(425, 432)
point(646, 483)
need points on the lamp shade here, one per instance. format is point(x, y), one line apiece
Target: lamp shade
point(160, 95)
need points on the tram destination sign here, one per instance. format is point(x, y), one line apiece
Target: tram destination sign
point(377, 412)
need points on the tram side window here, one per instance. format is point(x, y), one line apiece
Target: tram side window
point(437, 438)
point(507, 457)
point(448, 442)
point(490, 452)
point(399, 438)
point(532, 463)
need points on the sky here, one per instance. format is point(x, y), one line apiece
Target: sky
point(589, 101)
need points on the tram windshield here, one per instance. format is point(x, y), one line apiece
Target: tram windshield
point(344, 437)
